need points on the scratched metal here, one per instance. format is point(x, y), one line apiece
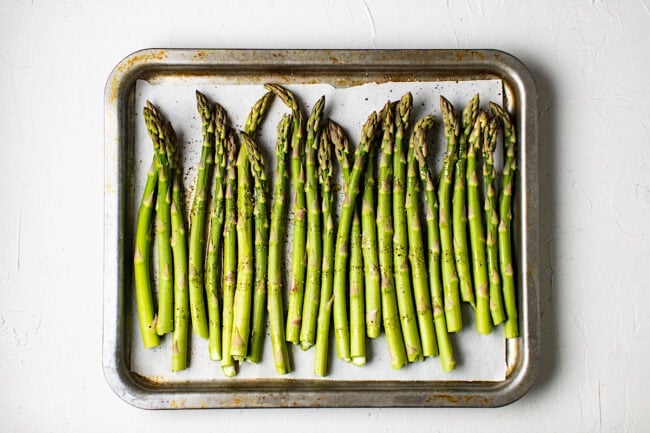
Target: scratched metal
point(339, 68)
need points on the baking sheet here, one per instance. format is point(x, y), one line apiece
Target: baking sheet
point(208, 68)
point(479, 357)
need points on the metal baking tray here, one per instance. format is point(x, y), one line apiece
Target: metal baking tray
point(340, 68)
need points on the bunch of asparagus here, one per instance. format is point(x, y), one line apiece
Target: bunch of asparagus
point(378, 265)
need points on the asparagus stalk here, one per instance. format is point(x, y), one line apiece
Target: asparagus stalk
point(449, 274)
point(198, 219)
point(405, 303)
point(275, 306)
point(416, 246)
point(476, 233)
point(357, 292)
point(229, 256)
point(314, 231)
point(357, 296)
point(215, 229)
point(164, 320)
point(341, 324)
point(244, 290)
point(459, 208)
point(492, 225)
point(511, 326)
point(298, 252)
point(261, 225)
point(179, 253)
point(261, 238)
point(245, 258)
point(392, 327)
point(342, 151)
point(142, 261)
point(445, 348)
point(370, 253)
point(326, 298)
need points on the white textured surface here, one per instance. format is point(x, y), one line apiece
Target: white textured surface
point(590, 60)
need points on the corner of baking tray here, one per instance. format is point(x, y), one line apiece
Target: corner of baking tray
point(516, 72)
point(127, 70)
point(124, 385)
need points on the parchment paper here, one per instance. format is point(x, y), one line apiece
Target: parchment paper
point(479, 357)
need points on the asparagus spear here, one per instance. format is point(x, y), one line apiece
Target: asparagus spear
point(275, 308)
point(229, 256)
point(400, 237)
point(179, 253)
point(476, 233)
point(342, 151)
point(260, 215)
point(261, 224)
point(357, 296)
point(298, 252)
point(449, 275)
point(341, 325)
point(164, 319)
point(326, 299)
point(445, 348)
point(511, 326)
point(257, 113)
point(198, 218)
point(459, 208)
point(392, 327)
point(416, 246)
point(356, 278)
point(245, 256)
point(492, 224)
point(215, 229)
point(142, 259)
point(370, 253)
point(314, 245)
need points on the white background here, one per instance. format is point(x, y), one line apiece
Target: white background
point(590, 60)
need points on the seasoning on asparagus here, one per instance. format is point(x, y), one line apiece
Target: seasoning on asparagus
point(390, 315)
point(314, 230)
point(445, 348)
point(459, 206)
point(369, 250)
point(327, 275)
point(341, 324)
point(476, 233)
point(198, 218)
point(405, 302)
point(298, 252)
point(511, 325)
point(215, 232)
point(275, 292)
point(492, 226)
point(261, 228)
point(179, 254)
point(415, 244)
point(448, 266)
point(229, 255)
